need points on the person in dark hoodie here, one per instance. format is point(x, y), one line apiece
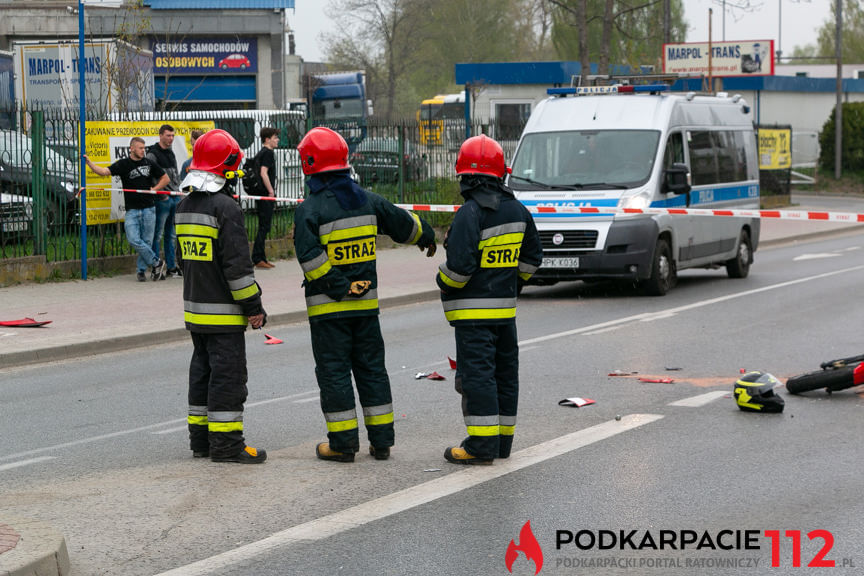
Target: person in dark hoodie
point(335, 230)
point(490, 245)
point(220, 298)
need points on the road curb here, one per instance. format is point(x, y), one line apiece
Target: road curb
point(121, 343)
point(31, 548)
point(856, 229)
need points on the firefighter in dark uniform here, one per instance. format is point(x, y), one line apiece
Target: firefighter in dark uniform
point(334, 234)
point(220, 297)
point(490, 245)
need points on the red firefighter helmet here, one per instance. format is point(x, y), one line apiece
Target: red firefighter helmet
point(322, 150)
point(217, 152)
point(481, 155)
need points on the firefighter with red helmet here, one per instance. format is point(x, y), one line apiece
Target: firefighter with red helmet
point(335, 231)
point(220, 297)
point(491, 244)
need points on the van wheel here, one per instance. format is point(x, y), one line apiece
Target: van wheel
point(662, 271)
point(739, 267)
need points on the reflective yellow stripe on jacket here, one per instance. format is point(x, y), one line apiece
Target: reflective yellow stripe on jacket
point(480, 309)
point(243, 288)
point(451, 278)
point(204, 314)
point(317, 267)
point(322, 304)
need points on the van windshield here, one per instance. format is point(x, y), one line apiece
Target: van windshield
point(588, 159)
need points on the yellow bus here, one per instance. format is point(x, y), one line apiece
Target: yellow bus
point(437, 112)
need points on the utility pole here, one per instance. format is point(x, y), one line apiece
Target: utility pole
point(838, 114)
point(667, 21)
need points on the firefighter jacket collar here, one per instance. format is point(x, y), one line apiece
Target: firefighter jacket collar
point(349, 195)
point(487, 192)
point(203, 181)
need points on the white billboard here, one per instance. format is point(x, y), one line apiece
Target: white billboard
point(747, 58)
point(118, 77)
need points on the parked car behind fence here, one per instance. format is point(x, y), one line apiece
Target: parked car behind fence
point(377, 160)
point(16, 176)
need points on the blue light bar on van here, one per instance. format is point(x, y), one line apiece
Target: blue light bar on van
point(560, 91)
point(613, 89)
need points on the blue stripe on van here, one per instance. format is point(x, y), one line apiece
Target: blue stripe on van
point(698, 199)
point(581, 203)
point(710, 195)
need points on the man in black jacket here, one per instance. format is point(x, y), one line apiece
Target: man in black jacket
point(335, 231)
point(490, 245)
point(265, 163)
point(162, 154)
point(220, 297)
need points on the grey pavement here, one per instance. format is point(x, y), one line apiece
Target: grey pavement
point(108, 314)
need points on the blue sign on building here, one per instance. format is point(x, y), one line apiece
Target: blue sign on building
point(205, 55)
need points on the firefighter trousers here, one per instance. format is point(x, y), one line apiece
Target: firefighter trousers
point(341, 347)
point(217, 391)
point(487, 377)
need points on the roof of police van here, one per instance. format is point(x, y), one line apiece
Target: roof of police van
point(636, 112)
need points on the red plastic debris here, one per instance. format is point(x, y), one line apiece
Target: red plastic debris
point(657, 380)
point(435, 376)
point(272, 340)
point(24, 323)
point(452, 363)
point(576, 402)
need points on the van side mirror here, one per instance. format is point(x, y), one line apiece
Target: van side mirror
point(677, 179)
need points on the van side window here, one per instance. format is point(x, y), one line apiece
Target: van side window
point(717, 156)
point(703, 159)
point(730, 152)
point(674, 150)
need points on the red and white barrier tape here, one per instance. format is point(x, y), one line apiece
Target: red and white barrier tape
point(172, 193)
point(774, 214)
point(820, 216)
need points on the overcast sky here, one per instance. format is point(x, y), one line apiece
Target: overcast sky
point(800, 21)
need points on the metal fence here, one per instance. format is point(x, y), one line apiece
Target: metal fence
point(40, 155)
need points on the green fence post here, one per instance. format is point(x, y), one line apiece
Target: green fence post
point(37, 168)
point(401, 129)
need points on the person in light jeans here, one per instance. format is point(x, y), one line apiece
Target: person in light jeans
point(140, 178)
point(162, 154)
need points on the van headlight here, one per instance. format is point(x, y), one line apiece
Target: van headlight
point(640, 200)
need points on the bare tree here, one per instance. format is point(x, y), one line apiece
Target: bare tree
point(381, 35)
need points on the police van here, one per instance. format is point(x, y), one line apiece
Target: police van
point(639, 147)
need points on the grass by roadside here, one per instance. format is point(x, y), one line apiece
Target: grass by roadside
point(849, 184)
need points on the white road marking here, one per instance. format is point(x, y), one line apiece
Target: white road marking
point(701, 399)
point(815, 256)
point(409, 498)
point(305, 400)
point(172, 430)
point(650, 316)
point(25, 462)
point(149, 427)
point(604, 330)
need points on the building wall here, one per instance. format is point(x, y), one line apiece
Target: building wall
point(819, 70)
point(51, 20)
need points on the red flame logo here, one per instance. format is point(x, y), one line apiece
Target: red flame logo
point(528, 545)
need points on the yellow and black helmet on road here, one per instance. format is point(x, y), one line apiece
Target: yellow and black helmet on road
point(754, 392)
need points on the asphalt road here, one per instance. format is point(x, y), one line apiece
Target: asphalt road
point(97, 447)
